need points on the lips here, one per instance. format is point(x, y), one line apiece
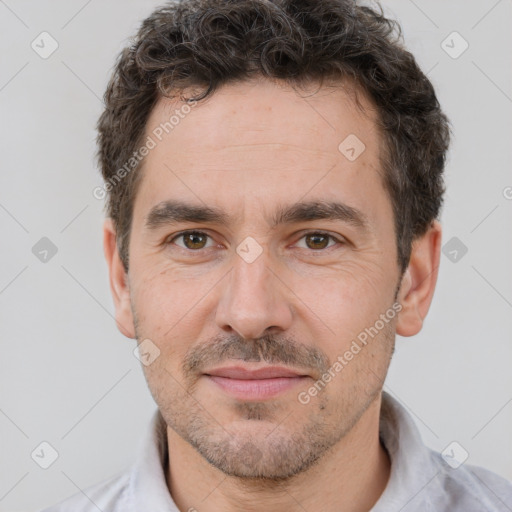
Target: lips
point(255, 385)
point(269, 372)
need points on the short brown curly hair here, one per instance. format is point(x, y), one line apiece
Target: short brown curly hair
point(203, 44)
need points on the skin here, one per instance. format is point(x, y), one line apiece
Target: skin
point(248, 149)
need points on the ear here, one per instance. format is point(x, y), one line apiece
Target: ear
point(419, 281)
point(118, 281)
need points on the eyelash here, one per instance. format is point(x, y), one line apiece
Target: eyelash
point(193, 231)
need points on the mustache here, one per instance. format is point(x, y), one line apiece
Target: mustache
point(269, 348)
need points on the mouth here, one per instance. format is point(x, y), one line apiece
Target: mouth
point(255, 384)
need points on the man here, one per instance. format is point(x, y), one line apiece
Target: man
point(274, 179)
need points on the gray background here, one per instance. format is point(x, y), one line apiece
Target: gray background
point(68, 377)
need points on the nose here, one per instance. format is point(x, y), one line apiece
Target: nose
point(254, 300)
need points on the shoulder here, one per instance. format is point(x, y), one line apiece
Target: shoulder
point(105, 496)
point(425, 480)
point(469, 487)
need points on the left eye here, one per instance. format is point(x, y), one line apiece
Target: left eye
point(318, 240)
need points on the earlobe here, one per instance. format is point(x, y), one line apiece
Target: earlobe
point(419, 281)
point(118, 281)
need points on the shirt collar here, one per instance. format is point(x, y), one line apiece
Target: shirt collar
point(412, 465)
point(148, 486)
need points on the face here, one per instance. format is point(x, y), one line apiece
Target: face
point(257, 244)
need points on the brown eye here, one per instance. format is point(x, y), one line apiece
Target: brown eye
point(317, 241)
point(192, 240)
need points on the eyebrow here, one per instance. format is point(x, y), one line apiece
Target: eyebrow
point(175, 211)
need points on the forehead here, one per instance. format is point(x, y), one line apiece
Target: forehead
point(252, 141)
point(266, 112)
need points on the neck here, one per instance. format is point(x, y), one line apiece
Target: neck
point(350, 477)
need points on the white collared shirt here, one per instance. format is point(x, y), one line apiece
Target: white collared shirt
point(420, 479)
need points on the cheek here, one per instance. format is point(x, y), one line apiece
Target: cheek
point(165, 296)
point(344, 299)
point(165, 308)
point(343, 306)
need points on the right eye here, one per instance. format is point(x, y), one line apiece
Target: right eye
point(192, 240)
